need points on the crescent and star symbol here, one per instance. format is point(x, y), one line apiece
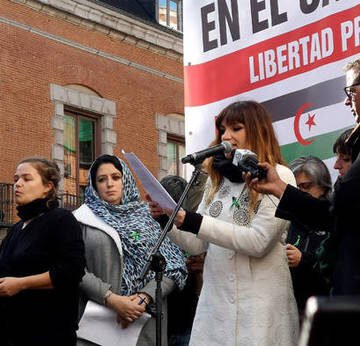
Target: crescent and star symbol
point(310, 122)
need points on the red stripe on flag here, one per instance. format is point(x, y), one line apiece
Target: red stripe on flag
point(230, 75)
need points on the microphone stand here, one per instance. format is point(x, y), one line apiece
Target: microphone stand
point(156, 261)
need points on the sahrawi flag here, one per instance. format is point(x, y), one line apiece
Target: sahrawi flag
point(287, 54)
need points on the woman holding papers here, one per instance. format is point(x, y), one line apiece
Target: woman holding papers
point(119, 233)
point(247, 296)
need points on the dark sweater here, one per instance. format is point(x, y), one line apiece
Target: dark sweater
point(308, 279)
point(51, 242)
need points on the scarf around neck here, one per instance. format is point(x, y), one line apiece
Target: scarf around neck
point(34, 208)
point(226, 168)
point(138, 232)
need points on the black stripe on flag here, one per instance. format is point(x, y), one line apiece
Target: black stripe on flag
point(319, 95)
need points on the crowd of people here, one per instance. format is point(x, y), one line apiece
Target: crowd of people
point(249, 251)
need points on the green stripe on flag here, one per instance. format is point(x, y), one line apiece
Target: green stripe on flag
point(321, 147)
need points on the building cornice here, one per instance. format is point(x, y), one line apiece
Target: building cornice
point(117, 24)
point(91, 50)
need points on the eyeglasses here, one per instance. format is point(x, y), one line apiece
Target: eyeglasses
point(306, 185)
point(351, 93)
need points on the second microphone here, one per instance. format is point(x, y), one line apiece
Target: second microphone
point(201, 155)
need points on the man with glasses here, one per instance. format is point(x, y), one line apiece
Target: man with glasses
point(352, 100)
point(346, 199)
point(342, 214)
point(352, 90)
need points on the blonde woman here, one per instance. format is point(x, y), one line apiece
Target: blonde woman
point(247, 295)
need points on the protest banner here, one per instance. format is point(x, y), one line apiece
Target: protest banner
point(288, 55)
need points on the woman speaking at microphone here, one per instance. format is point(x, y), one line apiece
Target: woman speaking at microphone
point(247, 295)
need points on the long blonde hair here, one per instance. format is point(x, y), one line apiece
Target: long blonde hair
point(260, 135)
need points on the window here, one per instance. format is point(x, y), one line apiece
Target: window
point(170, 13)
point(80, 133)
point(78, 107)
point(175, 151)
point(171, 146)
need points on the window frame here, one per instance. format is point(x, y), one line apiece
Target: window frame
point(170, 125)
point(79, 114)
point(178, 140)
point(82, 99)
point(179, 14)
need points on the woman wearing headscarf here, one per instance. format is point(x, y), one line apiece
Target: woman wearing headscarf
point(119, 233)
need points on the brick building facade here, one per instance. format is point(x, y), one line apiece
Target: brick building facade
point(61, 60)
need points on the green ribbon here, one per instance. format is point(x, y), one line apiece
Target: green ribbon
point(297, 241)
point(235, 203)
point(135, 235)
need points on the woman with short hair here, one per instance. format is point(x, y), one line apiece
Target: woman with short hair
point(305, 249)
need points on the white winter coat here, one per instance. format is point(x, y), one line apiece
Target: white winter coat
point(247, 296)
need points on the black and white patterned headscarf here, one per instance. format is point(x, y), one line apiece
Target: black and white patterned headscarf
point(138, 232)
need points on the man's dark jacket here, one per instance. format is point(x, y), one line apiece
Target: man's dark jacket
point(341, 216)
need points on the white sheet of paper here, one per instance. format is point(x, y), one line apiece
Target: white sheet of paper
point(150, 184)
point(98, 324)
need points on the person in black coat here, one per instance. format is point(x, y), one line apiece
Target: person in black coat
point(340, 215)
point(305, 244)
point(41, 263)
point(182, 303)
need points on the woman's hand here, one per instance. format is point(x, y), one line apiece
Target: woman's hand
point(179, 218)
point(155, 209)
point(127, 308)
point(271, 184)
point(143, 299)
point(293, 255)
point(195, 264)
point(9, 286)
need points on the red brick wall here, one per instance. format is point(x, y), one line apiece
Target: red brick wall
point(29, 63)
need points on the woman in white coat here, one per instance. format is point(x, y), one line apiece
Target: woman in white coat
point(247, 296)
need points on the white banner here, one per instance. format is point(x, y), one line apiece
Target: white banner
point(288, 55)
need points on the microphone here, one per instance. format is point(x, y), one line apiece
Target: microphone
point(200, 156)
point(247, 161)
